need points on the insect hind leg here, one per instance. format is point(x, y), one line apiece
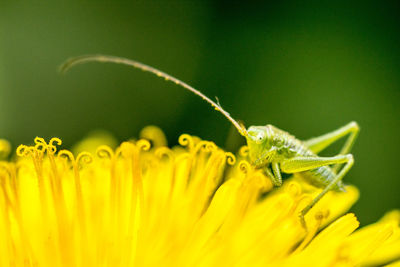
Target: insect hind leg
point(300, 164)
point(338, 178)
point(319, 143)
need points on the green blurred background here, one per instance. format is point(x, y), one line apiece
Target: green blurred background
point(306, 67)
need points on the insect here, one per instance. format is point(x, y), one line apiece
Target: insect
point(271, 149)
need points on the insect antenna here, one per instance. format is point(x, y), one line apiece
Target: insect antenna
point(138, 65)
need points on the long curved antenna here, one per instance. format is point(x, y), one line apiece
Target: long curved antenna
point(112, 59)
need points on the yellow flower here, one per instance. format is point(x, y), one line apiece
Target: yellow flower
point(191, 205)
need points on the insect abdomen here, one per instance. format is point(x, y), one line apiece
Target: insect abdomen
point(321, 177)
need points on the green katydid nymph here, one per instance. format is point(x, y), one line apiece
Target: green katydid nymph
point(273, 150)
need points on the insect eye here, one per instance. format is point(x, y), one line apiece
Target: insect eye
point(260, 137)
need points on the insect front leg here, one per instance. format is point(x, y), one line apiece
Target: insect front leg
point(275, 175)
point(263, 160)
point(300, 164)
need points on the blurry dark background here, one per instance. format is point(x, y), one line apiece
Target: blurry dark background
point(307, 68)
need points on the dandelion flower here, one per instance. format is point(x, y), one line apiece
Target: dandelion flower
point(191, 205)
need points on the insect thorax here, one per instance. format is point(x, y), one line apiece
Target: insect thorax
point(268, 143)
